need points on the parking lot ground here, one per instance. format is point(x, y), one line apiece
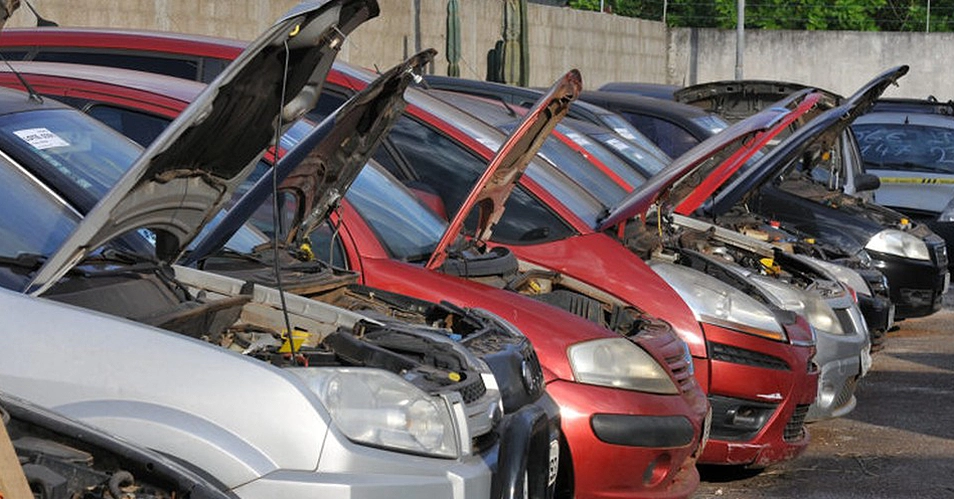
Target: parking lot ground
point(898, 442)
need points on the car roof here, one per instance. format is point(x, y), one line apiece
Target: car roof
point(908, 105)
point(656, 90)
point(166, 86)
point(125, 39)
point(578, 108)
point(647, 105)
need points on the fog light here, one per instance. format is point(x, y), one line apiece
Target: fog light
point(657, 470)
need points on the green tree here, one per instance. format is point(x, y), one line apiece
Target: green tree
point(854, 15)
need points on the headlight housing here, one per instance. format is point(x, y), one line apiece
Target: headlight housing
point(898, 243)
point(619, 363)
point(810, 305)
point(379, 408)
point(715, 302)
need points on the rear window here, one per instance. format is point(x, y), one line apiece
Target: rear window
point(76, 155)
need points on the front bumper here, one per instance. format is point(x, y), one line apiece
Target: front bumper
point(842, 359)
point(626, 443)
point(916, 286)
point(760, 392)
point(350, 471)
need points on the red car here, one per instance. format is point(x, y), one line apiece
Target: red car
point(609, 431)
point(552, 229)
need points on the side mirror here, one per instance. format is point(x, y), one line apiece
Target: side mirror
point(867, 182)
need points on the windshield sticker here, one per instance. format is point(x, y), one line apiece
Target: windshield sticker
point(41, 138)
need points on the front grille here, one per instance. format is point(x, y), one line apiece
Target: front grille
point(677, 357)
point(471, 392)
point(938, 249)
point(736, 355)
point(795, 429)
point(846, 393)
point(844, 318)
point(681, 371)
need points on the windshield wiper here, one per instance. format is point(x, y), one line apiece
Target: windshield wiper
point(26, 261)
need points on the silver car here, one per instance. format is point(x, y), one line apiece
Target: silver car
point(350, 402)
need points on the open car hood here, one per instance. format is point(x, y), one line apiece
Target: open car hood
point(736, 100)
point(702, 169)
point(497, 182)
point(322, 167)
point(811, 140)
point(185, 176)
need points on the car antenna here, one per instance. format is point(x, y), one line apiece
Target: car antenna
point(276, 218)
point(40, 21)
point(30, 91)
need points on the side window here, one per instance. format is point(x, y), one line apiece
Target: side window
point(327, 103)
point(527, 221)
point(671, 138)
point(141, 127)
point(211, 67)
point(436, 160)
point(327, 246)
point(451, 171)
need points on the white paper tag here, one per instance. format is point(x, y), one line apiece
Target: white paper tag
point(41, 138)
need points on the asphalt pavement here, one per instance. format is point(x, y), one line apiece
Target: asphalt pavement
point(897, 443)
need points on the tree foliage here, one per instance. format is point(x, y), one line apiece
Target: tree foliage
point(853, 15)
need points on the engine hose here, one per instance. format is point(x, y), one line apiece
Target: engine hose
point(119, 479)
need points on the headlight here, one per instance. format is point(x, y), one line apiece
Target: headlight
point(714, 301)
point(810, 305)
point(844, 275)
point(619, 363)
point(379, 408)
point(895, 242)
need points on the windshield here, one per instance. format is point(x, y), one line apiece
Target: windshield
point(915, 148)
point(626, 130)
point(646, 162)
point(407, 229)
point(609, 159)
point(77, 157)
point(40, 225)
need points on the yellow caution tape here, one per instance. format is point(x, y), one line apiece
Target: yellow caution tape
point(916, 180)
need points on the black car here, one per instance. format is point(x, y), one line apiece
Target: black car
point(675, 128)
point(788, 185)
point(909, 145)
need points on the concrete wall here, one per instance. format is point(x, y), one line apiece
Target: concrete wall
point(603, 47)
point(835, 60)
